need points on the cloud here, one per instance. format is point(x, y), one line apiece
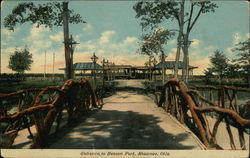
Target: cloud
point(57, 37)
point(39, 61)
point(89, 45)
point(237, 37)
point(6, 32)
point(172, 54)
point(195, 43)
point(38, 39)
point(7, 35)
point(130, 40)
point(105, 37)
point(87, 28)
point(202, 64)
point(247, 35)
point(172, 42)
point(120, 52)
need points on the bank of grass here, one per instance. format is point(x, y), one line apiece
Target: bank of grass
point(12, 86)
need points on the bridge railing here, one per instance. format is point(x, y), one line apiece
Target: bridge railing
point(192, 108)
point(43, 108)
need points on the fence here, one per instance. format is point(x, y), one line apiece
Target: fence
point(43, 108)
point(192, 108)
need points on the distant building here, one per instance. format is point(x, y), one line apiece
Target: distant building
point(124, 71)
point(86, 66)
point(169, 65)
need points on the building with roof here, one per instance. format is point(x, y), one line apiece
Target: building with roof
point(126, 71)
point(86, 66)
point(169, 65)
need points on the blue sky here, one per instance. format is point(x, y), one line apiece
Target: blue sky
point(112, 31)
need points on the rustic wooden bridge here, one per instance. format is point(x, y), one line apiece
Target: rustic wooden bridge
point(76, 117)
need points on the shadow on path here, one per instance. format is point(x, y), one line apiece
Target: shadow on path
point(111, 129)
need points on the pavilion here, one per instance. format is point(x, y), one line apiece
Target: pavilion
point(125, 71)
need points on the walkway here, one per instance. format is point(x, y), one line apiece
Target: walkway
point(129, 120)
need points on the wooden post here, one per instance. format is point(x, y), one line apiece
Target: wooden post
point(66, 41)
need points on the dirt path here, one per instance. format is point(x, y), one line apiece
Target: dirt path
point(128, 120)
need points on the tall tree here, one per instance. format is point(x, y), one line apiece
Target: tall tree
point(154, 42)
point(219, 65)
point(153, 14)
point(20, 61)
point(49, 15)
point(243, 60)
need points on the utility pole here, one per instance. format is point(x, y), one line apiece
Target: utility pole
point(66, 40)
point(53, 65)
point(44, 64)
point(0, 62)
point(72, 44)
point(163, 66)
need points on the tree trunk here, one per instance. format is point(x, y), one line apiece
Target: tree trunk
point(185, 68)
point(177, 57)
point(179, 39)
point(66, 41)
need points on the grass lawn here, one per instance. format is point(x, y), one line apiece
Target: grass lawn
point(7, 87)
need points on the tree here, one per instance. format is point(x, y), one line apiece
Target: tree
point(208, 75)
point(153, 43)
point(243, 60)
point(219, 65)
point(49, 15)
point(20, 61)
point(232, 70)
point(153, 14)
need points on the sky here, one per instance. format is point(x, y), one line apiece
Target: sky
point(112, 32)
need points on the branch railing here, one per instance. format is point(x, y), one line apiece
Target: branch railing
point(192, 107)
point(43, 108)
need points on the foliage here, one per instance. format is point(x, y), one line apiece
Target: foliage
point(153, 43)
point(151, 14)
point(49, 14)
point(155, 14)
point(243, 60)
point(219, 65)
point(232, 71)
point(20, 61)
point(208, 75)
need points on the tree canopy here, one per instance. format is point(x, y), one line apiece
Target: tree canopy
point(219, 65)
point(20, 61)
point(243, 60)
point(153, 43)
point(48, 14)
point(155, 14)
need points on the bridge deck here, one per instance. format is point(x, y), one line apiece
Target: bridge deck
point(129, 120)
